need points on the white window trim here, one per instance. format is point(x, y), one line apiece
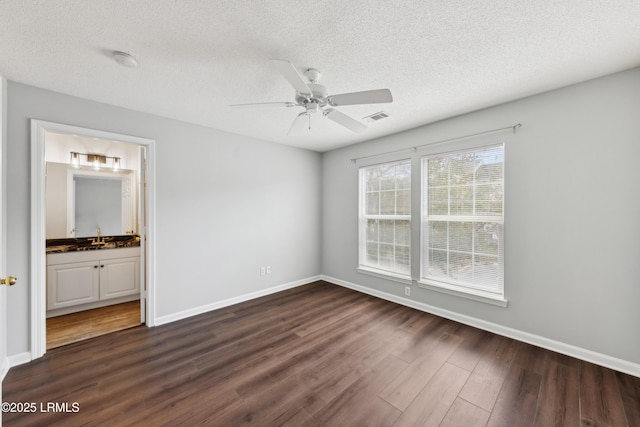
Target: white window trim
point(446, 287)
point(464, 292)
point(369, 270)
point(383, 274)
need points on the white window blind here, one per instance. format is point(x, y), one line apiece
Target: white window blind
point(463, 221)
point(385, 218)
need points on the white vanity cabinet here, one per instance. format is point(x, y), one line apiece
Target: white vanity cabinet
point(89, 279)
point(119, 277)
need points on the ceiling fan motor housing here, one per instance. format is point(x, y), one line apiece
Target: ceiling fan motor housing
point(319, 97)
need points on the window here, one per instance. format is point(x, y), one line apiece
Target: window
point(385, 219)
point(463, 221)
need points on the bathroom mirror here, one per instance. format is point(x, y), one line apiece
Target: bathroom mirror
point(100, 200)
point(98, 204)
point(78, 201)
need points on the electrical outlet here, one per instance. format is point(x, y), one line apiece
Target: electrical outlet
point(268, 269)
point(407, 291)
point(262, 271)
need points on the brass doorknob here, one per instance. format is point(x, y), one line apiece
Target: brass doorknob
point(9, 281)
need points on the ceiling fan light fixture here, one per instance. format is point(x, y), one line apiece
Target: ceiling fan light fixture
point(312, 107)
point(125, 59)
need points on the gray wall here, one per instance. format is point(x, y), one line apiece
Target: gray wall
point(226, 205)
point(572, 215)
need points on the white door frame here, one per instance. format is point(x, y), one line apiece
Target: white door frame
point(38, 218)
point(4, 362)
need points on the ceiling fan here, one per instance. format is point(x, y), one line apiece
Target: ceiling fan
point(315, 98)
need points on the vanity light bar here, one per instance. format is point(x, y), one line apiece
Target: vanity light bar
point(95, 160)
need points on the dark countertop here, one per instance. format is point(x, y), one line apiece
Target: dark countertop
point(86, 243)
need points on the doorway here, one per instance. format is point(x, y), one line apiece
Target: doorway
point(94, 141)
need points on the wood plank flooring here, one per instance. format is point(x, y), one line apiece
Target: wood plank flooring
point(63, 330)
point(317, 355)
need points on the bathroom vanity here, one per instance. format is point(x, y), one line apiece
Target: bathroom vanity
point(82, 279)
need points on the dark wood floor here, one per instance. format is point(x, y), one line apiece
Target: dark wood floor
point(318, 355)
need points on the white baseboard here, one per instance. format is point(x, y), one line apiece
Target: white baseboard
point(231, 301)
point(557, 346)
point(19, 359)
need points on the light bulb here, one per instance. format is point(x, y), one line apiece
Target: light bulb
point(75, 159)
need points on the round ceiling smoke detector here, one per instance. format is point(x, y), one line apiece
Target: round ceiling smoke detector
point(125, 59)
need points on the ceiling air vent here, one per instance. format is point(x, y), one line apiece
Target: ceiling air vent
point(376, 116)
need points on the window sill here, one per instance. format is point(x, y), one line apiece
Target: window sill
point(472, 294)
point(385, 275)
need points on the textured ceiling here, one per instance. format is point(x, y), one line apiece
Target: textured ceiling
point(438, 58)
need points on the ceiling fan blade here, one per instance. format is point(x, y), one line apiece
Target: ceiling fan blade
point(300, 123)
point(264, 105)
point(366, 97)
point(290, 73)
point(344, 120)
